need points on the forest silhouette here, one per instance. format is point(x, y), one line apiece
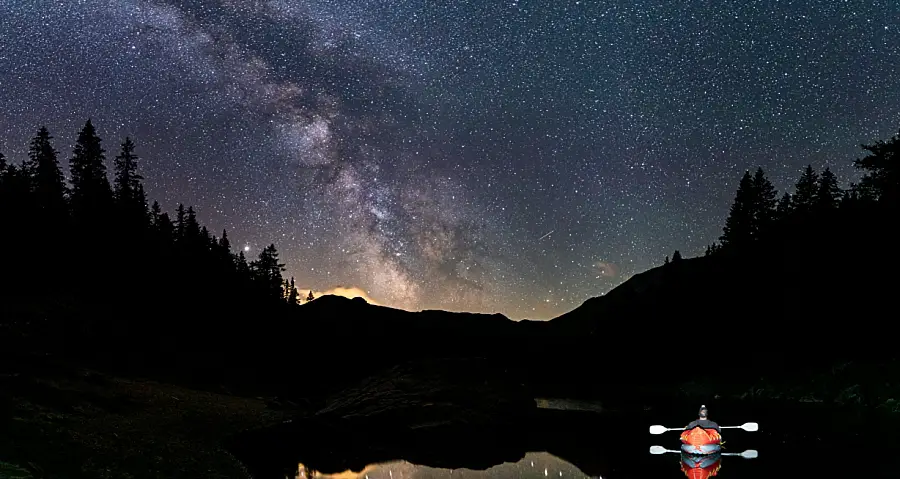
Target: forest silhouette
point(93, 270)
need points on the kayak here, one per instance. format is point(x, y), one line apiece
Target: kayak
point(701, 467)
point(701, 441)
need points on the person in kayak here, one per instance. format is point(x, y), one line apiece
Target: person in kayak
point(703, 422)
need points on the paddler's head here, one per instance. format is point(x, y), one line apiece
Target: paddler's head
point(703, 412)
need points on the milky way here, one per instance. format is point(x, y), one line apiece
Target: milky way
point(515, 156)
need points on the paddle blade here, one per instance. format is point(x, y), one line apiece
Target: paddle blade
point(749, 454)
point(750, 426)
point(657, 429)
point(657, 450)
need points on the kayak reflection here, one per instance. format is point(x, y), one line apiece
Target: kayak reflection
point(697, 466)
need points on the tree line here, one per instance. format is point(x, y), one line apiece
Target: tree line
point(90, 269)
point(758, 215)
point(53, 226)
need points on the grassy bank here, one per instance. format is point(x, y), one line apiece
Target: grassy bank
point(88, 425)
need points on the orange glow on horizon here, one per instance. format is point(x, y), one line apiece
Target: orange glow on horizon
point(348, 474)
point(343, 291)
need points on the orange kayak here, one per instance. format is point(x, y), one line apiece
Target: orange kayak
point(701, 441)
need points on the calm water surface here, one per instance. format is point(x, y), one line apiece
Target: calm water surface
point(617, 446)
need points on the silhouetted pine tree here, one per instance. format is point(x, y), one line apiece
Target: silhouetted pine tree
point(46, 210)
point(192, 233)
point(882, 167)
point(666, 261)
point(243, 269)
point(225, 244)
point(806, 191)
point(180, 222)
point(206, 239)
point(293, 295)
point(47, 183)
point(162, 238)
point(131, 201)
point(828, 194)
point(310, 296)
point(225, 258)
point(676, 256)
point(738, 230)
point(765, 201)
point(267, 273)
point(785, 207)
point(91, 196)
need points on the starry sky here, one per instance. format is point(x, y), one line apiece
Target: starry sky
point(507, 156)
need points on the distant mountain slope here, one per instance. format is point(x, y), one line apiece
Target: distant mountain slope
point(827, 288)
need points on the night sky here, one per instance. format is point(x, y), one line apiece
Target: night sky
point(493, 156)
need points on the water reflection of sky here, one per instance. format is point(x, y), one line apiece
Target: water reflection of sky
point(533, 465)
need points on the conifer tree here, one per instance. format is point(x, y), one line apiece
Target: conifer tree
point(310, 296)
point(676, 256)
point(140, 206)
point(129, 192)
point(224, 243)
point(205, 238)
point(91, 192)
point(293, 294)
point(242, 268)
point(765, 200)
point(785, 207)
point(180, 222)
point(882, 167)
point(828, 194)
point(807, 189)
point(666, 261)
point(155, 214)
point(267, 272)
point(47, 182)
point(738, 228)
point(192, 227)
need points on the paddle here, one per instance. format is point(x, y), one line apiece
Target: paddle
point(748, 454)
point(750, 426)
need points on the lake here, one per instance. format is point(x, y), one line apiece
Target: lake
point(795, 441)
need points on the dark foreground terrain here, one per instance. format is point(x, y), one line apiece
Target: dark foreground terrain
point(470, 413)
point(58, 422)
